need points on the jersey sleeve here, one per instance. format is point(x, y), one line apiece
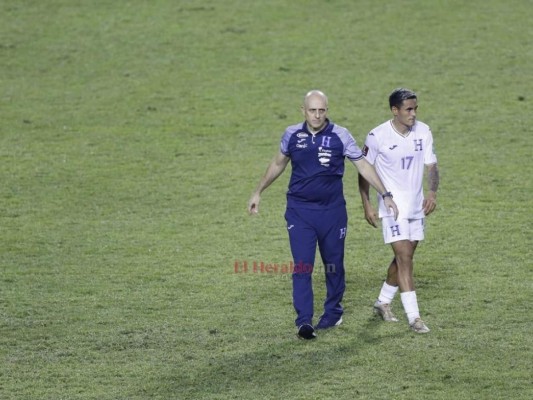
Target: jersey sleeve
point(284, 144)
point(429, 156)
point(351, 150)
point(370, 149)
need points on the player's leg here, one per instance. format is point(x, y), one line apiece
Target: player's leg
point(303, 239)
point(392, 274)
point(393, 232)
point(404, 250)
point(331, 240)
point(390, 286)
point(388, 291)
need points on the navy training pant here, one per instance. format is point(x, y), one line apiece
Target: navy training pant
point(306, 229)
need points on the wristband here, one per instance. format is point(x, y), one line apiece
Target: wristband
point(386, 194)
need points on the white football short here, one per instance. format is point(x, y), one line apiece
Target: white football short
point(403, 229)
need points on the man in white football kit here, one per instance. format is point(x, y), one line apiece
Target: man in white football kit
point(400, 150)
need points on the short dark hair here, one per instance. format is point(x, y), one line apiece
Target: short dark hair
point(397, 97)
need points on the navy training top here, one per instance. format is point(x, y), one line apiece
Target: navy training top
point(317, 164)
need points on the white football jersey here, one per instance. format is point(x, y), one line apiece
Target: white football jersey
point(399, 161)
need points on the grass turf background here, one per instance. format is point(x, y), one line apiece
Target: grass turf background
point(132, 135)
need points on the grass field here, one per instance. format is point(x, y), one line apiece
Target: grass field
point(132, 135)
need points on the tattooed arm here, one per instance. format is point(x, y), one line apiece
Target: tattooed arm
point(430, 202)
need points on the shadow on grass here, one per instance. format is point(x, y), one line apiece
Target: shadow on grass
point(261, 365)
point(265, 364)
point(371, 332)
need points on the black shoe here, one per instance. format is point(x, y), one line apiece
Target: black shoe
point(328, 322)
point(306, 331)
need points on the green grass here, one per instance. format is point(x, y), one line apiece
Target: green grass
point(132, 135)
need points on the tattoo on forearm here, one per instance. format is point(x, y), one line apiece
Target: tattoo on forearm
point(433, 179)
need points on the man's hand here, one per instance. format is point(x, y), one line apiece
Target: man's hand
point(371, 216)
point(253, 204)
point(391, 205)
point(430, 203)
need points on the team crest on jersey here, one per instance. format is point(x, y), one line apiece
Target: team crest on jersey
point(365, 150)
point(326, 140)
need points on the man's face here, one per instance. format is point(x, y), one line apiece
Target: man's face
point(406, 114)
point(315, 111)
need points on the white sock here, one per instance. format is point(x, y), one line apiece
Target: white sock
point(387, 293)
point(410, 305)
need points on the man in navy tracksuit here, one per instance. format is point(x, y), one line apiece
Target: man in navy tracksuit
point(316, 209)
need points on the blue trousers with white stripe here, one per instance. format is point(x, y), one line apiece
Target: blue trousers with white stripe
point(307, 229)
